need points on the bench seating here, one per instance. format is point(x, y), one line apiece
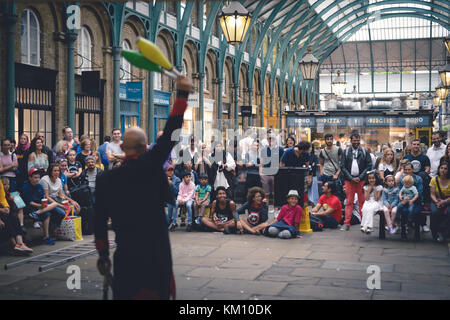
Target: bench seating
point(421, 216)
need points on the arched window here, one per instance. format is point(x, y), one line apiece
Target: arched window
point(157, 83)
point(224, 84)
point(205, 80)
point(185, 70)
point(84, 50)
point(30, 41)
point(125, 66)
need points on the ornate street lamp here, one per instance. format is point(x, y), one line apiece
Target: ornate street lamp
point(234, 21)
point(436, 101)
point(309, 65)
point(442, 91)
point(445, 74)
point(447, 43)
point(338, 85)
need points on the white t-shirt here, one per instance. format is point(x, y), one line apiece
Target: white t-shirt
point(435, 155)
point(53, 188)
point(113, 147)
point(355, 168)
point(384, 166)
point(372, 194)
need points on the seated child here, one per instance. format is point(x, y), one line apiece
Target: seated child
point(407, 196)
point(287, 222)
point(222, 214)
point(390, 202)
point(257, 212)
point(33, 193)
point(186, 196)
point(202, 196)
point(174, 184)
point(372, 193)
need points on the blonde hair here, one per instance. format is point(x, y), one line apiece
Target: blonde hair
point(96, 153)
point(394, 160)
point(59, 146)
point(408, 180)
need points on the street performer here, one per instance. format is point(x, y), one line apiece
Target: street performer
point(133, 195)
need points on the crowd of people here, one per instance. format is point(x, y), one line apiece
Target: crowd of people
point(215, 186)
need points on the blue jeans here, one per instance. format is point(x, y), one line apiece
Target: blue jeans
point(189, 205)
point(404, 210)
point(172, 213)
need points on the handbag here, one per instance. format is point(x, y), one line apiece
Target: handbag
point(18, 200)
point(70, 227)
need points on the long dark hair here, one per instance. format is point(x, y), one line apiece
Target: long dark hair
point(33, 145)
point(377, 178)
point(439, 169)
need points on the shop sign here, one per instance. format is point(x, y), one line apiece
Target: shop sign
point(355, 121)
point(161, 98)
point(380, 121)
point(300, 122)
point(332, 121)
point(418, 121)
point(134, 90)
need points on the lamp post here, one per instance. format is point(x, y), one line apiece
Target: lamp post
point(235, 21)
point(338, 85)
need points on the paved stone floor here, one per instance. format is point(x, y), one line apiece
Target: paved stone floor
point(213, 266)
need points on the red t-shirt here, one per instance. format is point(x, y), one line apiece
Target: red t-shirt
point(332, 202)
point(290, 215)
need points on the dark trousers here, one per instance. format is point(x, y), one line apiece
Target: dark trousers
point(439, 221)
point(12, 225)
point(426, 186)
point(328, 222)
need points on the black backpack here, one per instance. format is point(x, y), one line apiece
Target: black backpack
point(316, 223)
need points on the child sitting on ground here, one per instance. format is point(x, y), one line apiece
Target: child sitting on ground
point(287, 222)
point(390, 203)
point(202, 196)
point(372, 193)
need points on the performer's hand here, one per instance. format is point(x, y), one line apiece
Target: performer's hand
point(104, 265)
point(184, 83)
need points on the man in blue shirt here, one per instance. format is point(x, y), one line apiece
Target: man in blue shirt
point(296, 156)
point(102, 151)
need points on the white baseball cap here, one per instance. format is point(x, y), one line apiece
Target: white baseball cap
point(293, 193)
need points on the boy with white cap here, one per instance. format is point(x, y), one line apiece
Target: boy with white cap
point(287, 222)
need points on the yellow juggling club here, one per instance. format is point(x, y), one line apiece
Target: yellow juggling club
point(155, 55)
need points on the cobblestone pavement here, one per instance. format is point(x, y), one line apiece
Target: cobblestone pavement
point(212, 266)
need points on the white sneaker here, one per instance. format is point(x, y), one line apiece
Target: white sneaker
point(425, 228)
point(37, 225)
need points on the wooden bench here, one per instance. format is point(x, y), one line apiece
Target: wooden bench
point(420, 217)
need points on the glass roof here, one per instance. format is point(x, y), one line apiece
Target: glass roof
point(399, 28)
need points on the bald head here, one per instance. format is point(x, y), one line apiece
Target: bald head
point(134, 141)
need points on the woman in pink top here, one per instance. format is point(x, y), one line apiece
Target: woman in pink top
point(186, 196)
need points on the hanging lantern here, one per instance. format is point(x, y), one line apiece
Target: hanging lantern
point(441, 91)
point(309, 65)
point(234, 21)
point(445, 74)
point(436, 101)
point(338, 85)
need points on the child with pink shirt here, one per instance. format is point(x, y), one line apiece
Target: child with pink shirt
point(186, 196)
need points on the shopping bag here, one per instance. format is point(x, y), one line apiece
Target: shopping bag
point(18, 200)
point(70, 227)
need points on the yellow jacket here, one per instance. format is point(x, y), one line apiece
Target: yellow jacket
point(3, 201)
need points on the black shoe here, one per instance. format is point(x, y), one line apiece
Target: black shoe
point(403, 235)
point(189, 227)
point(440, 238)
point(172, 227)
